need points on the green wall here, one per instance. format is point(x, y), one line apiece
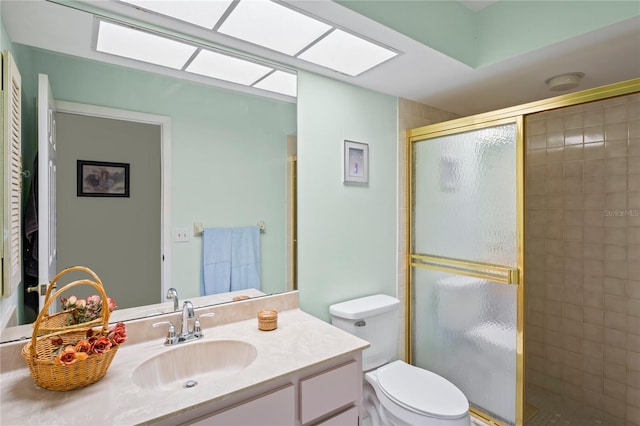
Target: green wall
point(228, 151)
point(346, 233)
point(510, 28)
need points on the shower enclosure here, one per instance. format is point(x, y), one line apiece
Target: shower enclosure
point(467, 237)
point(466, 259)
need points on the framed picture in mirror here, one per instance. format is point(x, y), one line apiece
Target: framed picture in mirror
point(102, 179)
point(356, 162)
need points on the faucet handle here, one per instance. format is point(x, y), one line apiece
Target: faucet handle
point(197, 330)
point(158, 324)
point(171, 334)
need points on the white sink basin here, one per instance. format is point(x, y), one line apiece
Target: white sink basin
point(189, 364)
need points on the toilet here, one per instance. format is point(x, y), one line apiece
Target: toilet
point(396, 393)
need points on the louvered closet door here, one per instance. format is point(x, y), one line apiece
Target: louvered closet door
point(12, 250)
point(465, 263)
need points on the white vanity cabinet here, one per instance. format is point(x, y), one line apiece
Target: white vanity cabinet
point(348, 417)
point(327, 394)
point(331, 390)
point(276, 408)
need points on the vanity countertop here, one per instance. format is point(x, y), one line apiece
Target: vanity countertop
point(300, 341)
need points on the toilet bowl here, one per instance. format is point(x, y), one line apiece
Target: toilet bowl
point(408, 395)
point(396, 393)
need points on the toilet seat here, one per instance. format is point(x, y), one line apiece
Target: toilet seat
point(421, 391)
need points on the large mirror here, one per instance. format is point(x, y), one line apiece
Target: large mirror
point(196, 153)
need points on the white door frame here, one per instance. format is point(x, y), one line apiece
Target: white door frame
point(165, 173)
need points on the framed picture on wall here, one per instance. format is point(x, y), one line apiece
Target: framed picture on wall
point(102, 179)
point(356, 162)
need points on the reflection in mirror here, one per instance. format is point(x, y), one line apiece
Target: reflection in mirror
point(197, 154)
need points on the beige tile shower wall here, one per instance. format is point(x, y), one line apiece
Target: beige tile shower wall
point(410, 116)
point(583, 255)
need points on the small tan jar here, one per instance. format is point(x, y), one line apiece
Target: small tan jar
point(241, 297)
point(267, 320)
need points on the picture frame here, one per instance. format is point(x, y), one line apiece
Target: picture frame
point(355, 162)
point(102, 179)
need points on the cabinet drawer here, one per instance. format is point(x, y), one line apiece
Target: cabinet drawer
point(329, 390)
point(346, 418)
point(272, 409)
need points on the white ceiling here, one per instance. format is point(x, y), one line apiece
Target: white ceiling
point(423, 74)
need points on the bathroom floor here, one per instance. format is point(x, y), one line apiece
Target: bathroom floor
point(544, 409)
point(556, 412)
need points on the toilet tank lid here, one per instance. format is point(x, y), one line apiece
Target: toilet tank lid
point(364, 307)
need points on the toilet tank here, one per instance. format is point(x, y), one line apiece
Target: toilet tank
point(374, 319)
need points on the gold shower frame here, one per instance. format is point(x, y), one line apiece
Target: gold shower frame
point(496, 273)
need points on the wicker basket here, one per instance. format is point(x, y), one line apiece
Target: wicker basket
point(40, 358)
point(63, 321)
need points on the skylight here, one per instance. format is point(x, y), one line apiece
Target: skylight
point(151, 48)
point(346, 53)
point(279, 82)
point(224, 67)
point(202, 13)
point(273, 26)
point(142, 46)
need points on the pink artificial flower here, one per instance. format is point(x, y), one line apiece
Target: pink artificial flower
point(111, 303)
point(100, 345)
point(57, 341)
point(66, 358)
point(94, 299)
point(118, 334)
point(83, 346)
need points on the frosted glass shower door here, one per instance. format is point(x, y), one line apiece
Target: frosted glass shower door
point(465, 263)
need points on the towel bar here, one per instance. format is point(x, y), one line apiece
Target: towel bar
point(198, 228)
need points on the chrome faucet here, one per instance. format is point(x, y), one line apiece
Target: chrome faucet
point(172, 293)
point(187, 314)
point(185, 334)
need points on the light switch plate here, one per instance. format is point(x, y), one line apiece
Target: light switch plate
point(181, 235)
